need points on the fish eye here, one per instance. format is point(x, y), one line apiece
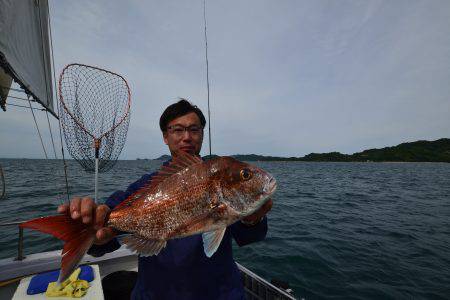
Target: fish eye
point(246, 174)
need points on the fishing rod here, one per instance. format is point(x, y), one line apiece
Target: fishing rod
point(207, 75)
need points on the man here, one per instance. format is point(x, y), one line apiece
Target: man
point(181, 270)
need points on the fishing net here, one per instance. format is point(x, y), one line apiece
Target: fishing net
point(95, 113)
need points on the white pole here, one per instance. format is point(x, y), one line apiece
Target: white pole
point(97, 150)
point(96, 179)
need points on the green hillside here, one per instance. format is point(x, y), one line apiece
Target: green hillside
point(437, 151)
point(420, 151)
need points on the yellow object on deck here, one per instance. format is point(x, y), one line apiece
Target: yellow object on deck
point(71, 287)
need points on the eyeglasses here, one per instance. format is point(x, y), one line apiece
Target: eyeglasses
point(178, 130)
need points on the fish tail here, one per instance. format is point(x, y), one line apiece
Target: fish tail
point(78, 238)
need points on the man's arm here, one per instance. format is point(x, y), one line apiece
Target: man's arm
point(253, 228)
point(115, 199)
point(99, 250)
point(245, 234)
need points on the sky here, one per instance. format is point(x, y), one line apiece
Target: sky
point(287, 78)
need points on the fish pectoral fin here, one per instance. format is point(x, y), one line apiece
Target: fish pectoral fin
point(211, 241)
point(143, 246)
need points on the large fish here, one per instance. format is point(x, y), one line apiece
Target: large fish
point(189, 196)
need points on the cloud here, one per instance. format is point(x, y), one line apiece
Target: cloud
point(287, 78)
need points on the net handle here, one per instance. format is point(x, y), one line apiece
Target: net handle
point(75, 119)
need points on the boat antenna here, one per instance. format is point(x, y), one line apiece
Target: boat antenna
point(207, 75)
point(95, 112)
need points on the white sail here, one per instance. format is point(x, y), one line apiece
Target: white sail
point(25, 47)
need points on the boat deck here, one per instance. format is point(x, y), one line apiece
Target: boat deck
point(11, 271)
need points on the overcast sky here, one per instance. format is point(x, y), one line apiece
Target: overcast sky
point(287, 77)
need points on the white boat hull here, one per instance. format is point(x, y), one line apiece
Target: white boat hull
point(11, 271)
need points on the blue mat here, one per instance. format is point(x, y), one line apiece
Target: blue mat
point(39, 283)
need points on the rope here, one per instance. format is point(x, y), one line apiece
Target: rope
point(20, 98)
point(33, 108)
point(39, 132)
point(51, 134)
point(207, 75)
point(12, 89)
point(43, 50)
point(57, 104)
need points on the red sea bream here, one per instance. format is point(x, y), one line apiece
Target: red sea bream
point(189, 196)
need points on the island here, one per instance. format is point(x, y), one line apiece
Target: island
point(418, 151)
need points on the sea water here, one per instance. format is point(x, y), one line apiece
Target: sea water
point(336, 230)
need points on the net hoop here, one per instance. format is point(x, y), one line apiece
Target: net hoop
point(94, 113)
point(70, 113)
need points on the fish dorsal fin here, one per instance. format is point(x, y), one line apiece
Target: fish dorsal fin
point(130, 199)
point(211, 241)
point(182, 161)
point(143, 246)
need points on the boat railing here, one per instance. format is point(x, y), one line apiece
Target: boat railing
point(20, 255)
point(257, 288)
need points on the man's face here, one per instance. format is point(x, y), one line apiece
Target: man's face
point(189, 141)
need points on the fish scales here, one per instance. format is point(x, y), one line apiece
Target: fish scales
point(178, 200)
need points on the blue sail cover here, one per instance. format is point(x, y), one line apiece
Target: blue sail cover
point(25, 47)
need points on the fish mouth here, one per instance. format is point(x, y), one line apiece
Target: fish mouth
point(270, 187)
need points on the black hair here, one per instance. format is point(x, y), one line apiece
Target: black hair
point(181, 108)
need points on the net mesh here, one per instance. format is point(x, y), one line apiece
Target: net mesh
point(95, 109)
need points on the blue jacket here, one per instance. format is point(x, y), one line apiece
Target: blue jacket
point(181, 270)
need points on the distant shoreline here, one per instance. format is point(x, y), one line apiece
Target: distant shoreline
point(419, 151)
point(414, 152)
point(281, 160)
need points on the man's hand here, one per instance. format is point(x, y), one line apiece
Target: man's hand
point(257, 216)
point(90, 213)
